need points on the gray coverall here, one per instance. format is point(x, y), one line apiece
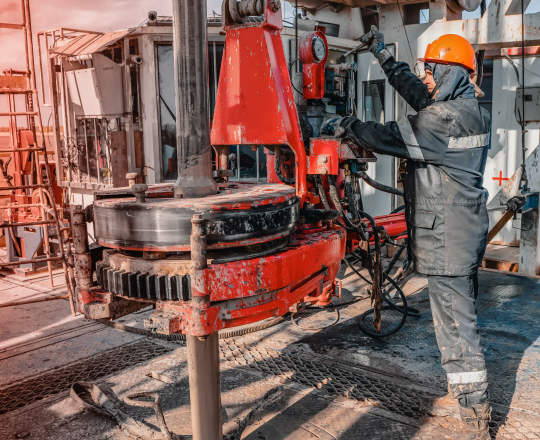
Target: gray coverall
point(446, 145)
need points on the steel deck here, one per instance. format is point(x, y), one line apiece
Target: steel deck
point(339, 383)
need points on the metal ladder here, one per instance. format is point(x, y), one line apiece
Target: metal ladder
point(14, 83)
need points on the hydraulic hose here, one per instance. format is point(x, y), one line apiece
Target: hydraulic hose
point(277, 168)
point(332, 190)
point(370, 219)
point(321, 191)
point(351, 198)
point(398, 209)
point(381, 187)
point(359, 192)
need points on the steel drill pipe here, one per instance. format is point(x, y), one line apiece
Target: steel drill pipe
point(192, 102)
point(203, 358)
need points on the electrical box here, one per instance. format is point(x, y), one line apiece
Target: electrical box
point(532, 104)
point(97, 92)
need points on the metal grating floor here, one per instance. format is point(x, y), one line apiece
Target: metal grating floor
point(48, 384)
point(396, 398)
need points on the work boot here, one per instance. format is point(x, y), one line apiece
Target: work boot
point(475, 422)
point(443, 406)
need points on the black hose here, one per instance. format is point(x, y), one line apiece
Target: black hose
point(349, 193)
point(355, 271)
point(321, 191)
point(332, 190)
point(370, 219)
point(381, 187)
point(405, 311)
point(398, 209)
point(277, 168)
point(359, 192)
point(396, 257)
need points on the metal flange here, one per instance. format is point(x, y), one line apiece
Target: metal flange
point(242, 214)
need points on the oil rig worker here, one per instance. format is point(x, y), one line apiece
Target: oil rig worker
point(445, 144)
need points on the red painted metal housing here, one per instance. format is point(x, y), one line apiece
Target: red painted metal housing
point(255, 101)
point(313, 71)
point(238, 293)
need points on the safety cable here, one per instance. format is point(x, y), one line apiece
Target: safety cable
point(291, 77)
point(524, 178)
point(405, 29)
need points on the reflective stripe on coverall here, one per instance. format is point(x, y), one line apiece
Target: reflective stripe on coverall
point(446, 145)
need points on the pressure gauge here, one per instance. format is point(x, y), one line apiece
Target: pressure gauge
point(318, 48)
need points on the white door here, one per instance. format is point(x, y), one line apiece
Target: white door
point(376, 103)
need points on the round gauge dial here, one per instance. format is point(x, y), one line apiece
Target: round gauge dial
point(318, 49)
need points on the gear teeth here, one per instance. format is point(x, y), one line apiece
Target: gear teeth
point(151, 287)
point(175, 287)
point(132, 284)
point(161, 286)
point(121, 282)
point(186, 288)
point(106, 271)
point(141, 285)
point(110, 280)
point(100, 267)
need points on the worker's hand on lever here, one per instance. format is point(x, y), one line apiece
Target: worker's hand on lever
point(375, 39)
point(340, 127)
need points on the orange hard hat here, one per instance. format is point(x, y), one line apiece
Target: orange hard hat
point(451, 49)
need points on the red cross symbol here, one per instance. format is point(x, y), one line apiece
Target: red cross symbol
point(500, 178)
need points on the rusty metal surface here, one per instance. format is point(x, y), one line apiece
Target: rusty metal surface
point(209, 297)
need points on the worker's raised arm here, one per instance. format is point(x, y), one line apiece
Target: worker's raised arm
point(408, 85)
point(399, 74)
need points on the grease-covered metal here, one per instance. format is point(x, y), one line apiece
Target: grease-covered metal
point(248, 214)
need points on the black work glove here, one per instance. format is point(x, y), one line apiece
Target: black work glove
point(344, 128)
point(375, 39)
point(337, 126)
point(377, 47)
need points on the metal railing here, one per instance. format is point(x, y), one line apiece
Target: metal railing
point(32, 113)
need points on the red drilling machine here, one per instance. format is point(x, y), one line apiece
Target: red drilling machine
point(213, 256)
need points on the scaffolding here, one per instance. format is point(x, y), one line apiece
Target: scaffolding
point(25, 147)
